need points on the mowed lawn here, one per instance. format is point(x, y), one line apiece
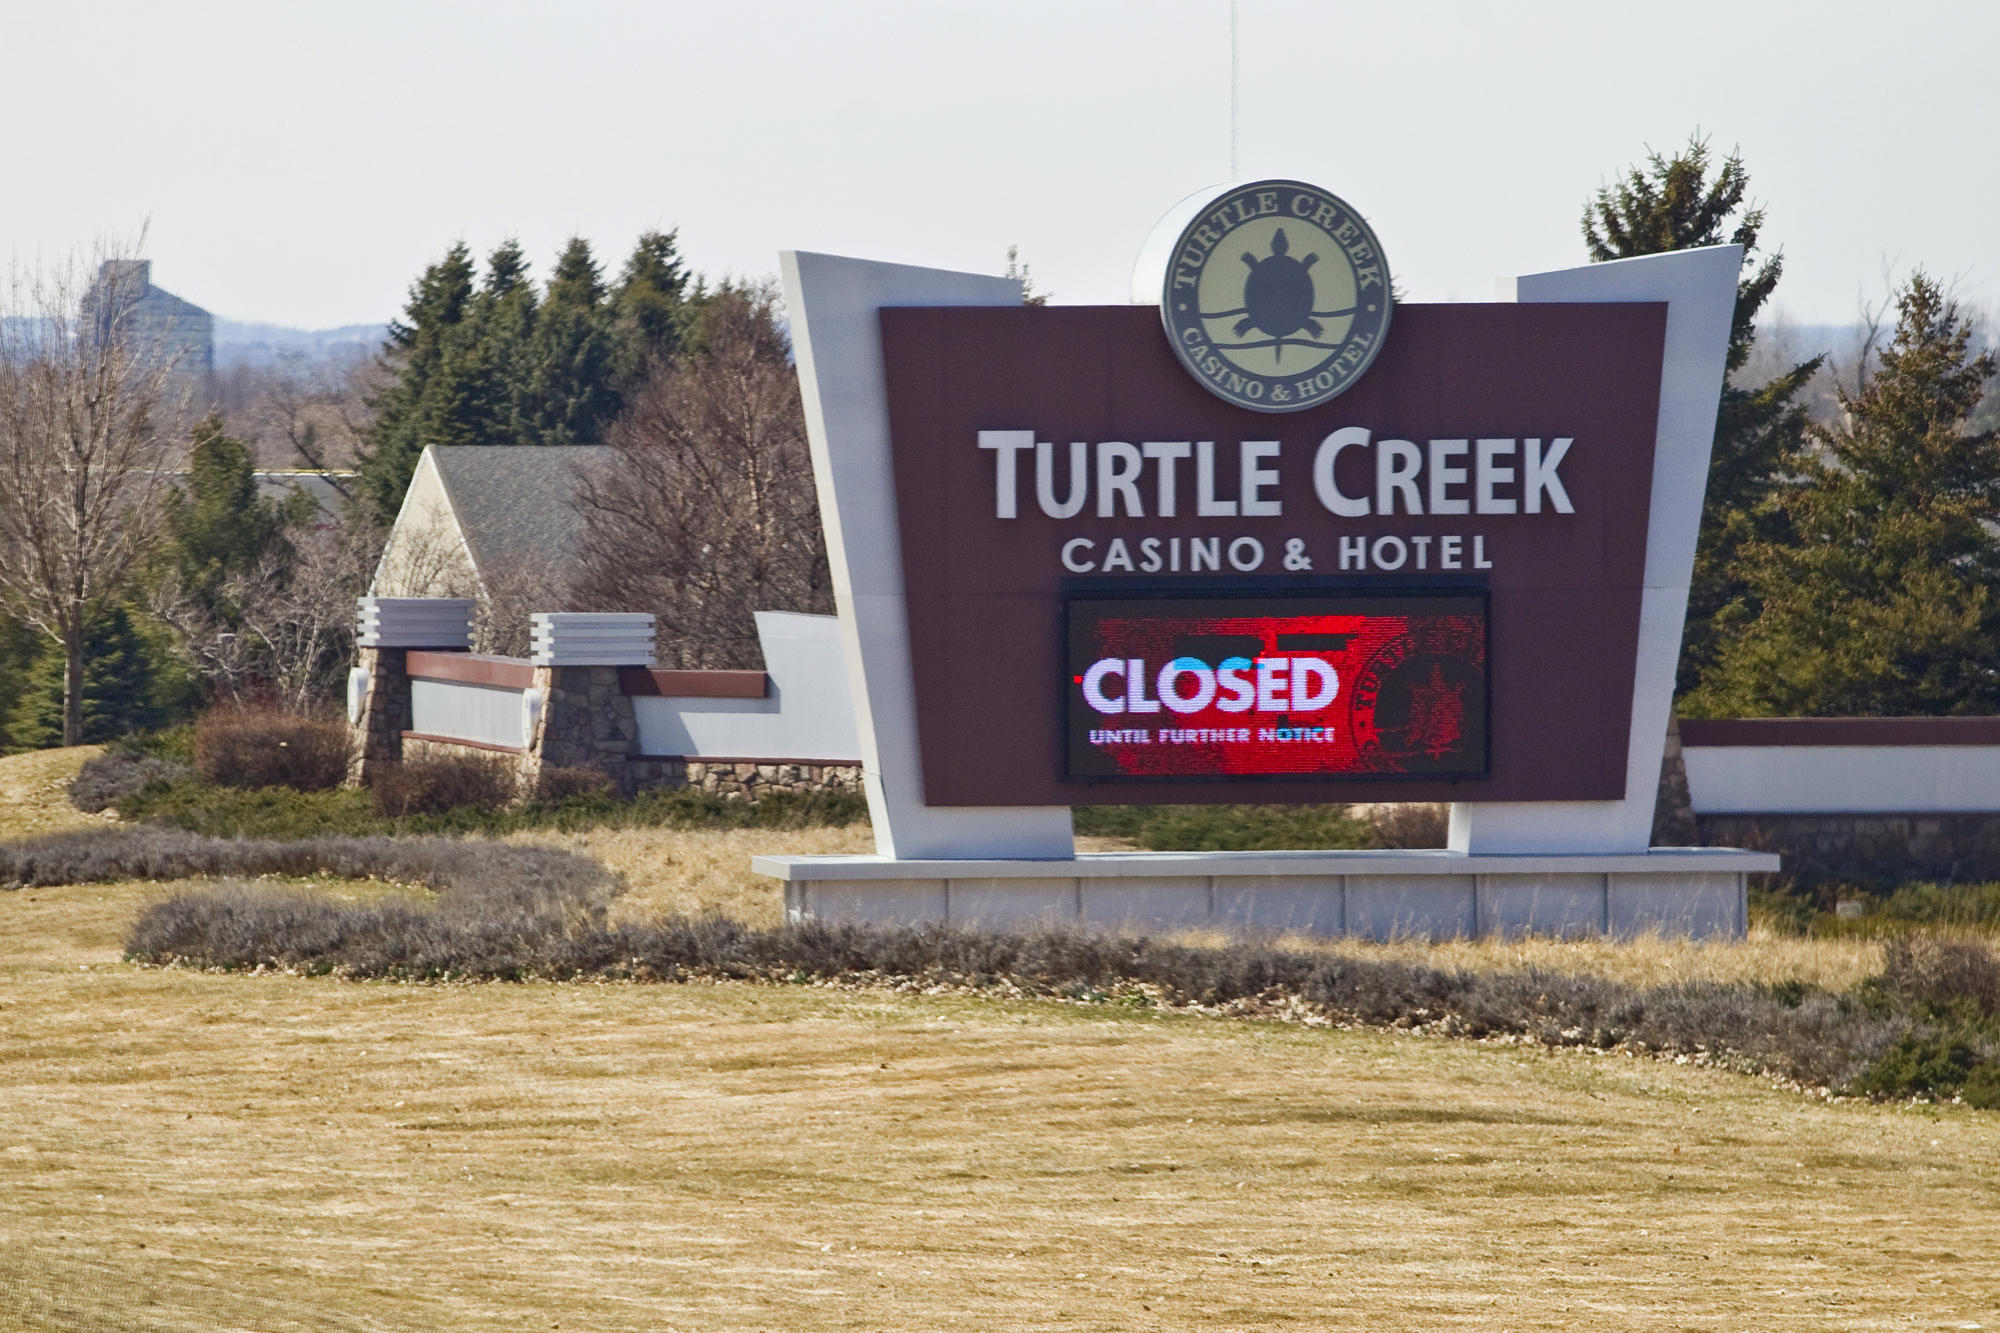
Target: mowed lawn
point(191, 1151)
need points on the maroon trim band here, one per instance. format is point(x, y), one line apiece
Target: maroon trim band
point(644, 682)
point(746, 759)
point(1699, 733)
point(460, 740)
point(511, 673)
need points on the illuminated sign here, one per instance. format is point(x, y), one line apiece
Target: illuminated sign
point(1276, 296)
point(1276, 684)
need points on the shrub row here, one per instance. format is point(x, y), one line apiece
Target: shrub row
point(435, 784)
point(469, 875)
point(1882, 1040)
point(277, 812)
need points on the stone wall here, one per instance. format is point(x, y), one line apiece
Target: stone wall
point(1673, 807)
point(755, 779)
point(587, 722)
point(385, 712)
point(1868, 850)
point(635, 773)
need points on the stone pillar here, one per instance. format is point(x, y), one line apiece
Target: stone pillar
point(586, 719)
point(378, 686)
point(1673, 809)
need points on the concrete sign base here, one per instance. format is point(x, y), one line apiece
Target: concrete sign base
point(1378, 895)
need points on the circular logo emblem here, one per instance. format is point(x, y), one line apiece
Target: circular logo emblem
point(1276, 296)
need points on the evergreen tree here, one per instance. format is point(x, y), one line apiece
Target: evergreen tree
point(504, 317)
point(1672, 204)
point(18, 647)
point(431, 401)
point(1877, 598)
point(120, 687)
point(649, 307)
point(217, 523)
point(569, 391)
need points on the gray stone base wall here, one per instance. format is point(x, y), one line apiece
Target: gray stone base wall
point(751, 780)
point(1868, 851)
point(648, 773)
point(634, 773)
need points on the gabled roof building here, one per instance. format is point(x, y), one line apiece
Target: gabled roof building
point(499, 523)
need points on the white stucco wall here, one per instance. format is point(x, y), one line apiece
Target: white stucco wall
point(425, 555)
point(808, 714)
point(1843, 779)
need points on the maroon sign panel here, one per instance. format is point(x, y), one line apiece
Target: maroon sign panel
point(1276, 686)
point(1452, 550)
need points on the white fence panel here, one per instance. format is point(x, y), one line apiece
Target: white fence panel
point(489, 714)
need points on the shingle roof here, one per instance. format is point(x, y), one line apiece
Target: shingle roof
point(517, 503)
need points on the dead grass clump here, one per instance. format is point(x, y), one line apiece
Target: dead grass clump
point(563, 782)
point(116, 776)
point(436, 784)
point(501, 932)
point(1942, 974)
point(268, 747)
point(1411, 824)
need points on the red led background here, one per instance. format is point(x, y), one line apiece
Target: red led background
point(1411, 697)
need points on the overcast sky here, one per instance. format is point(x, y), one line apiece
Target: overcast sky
point(300, 162)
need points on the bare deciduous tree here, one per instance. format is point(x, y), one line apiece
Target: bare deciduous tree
point(293, 631)
point(89, 400)
point(302, 611)
point(707, 513)
point(302, 411)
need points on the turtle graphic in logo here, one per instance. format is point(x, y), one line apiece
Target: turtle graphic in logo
point(1277, 296)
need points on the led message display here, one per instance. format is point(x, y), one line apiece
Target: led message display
point(1279, 684)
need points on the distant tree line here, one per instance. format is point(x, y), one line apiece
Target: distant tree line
point(1846, 564)
point(167, 580)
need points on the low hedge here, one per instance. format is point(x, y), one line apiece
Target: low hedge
point(279, 812)
point(1925, 1027)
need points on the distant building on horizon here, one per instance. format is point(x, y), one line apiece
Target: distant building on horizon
point(153, 316)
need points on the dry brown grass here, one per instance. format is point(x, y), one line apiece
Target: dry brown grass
point(736, 1157)
point(694, 871)
point(34, 792)
point(1653, 960)
point(183, 1151)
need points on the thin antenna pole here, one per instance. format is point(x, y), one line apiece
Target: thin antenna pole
point(1234, 95)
